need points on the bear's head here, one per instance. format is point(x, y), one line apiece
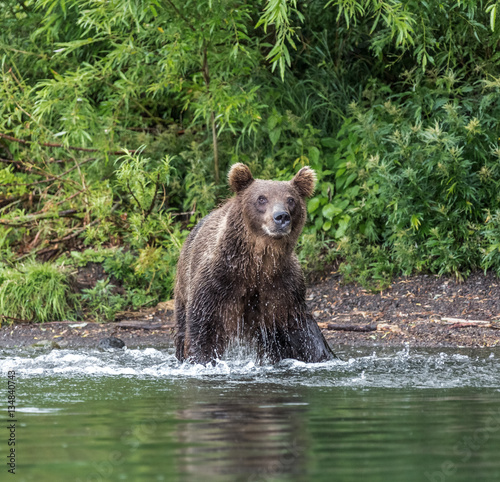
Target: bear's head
point(274, 209)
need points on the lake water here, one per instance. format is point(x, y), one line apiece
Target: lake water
point(376, 415)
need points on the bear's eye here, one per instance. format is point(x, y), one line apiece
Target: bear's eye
point(262, 200)
point(291, 201)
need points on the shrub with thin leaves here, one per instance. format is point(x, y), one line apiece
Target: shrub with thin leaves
point(119, 121)
point(36, 292)
point(427, 183)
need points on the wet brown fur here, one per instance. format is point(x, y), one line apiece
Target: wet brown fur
point(238, 277)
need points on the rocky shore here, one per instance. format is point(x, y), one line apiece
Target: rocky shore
point(423, 310)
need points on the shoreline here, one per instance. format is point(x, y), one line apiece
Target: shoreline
point(417, 311)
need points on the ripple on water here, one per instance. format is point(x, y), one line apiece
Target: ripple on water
point(381, 368)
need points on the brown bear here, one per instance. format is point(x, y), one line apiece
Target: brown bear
point(238, 278)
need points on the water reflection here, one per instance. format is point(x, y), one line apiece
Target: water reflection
point(411, 415)
point(247, 439)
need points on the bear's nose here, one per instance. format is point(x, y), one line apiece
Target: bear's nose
point(282, 219)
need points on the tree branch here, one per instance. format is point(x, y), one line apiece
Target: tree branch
point(148, 212)
point(79, 231)
point(360, 328)
point(73, 148)
point(178, 12)
point(206, 78)
point(24, 7)
point(135, 199)
point(50, 179)
point(17, 320)
point(36, 216)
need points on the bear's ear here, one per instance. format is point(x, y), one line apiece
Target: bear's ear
point(239, 177)
point(304, 181)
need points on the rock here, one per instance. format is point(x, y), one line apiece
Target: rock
point(110, 342)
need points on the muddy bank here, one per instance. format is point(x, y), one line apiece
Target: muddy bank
point(420, 310)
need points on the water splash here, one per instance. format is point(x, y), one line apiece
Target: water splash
point(419, 369)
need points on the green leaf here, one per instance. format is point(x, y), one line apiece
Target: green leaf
point(272, 121)
point(492, 10)
point(342, 226)
point(329, 142)
point(343, 204)
point(274, 135)
point(351, 178)
point(314, 155)
point(330, 211)
point(313, 204)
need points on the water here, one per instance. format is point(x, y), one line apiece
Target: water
point(138, 415)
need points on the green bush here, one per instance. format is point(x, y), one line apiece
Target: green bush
point(491, 232)
point(101, 302)
point(36, 292)
point(426, 181)
point(118, 124)
point(145, 276)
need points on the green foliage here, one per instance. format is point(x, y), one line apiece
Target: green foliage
point(368, 265)
point(397, 18)
point(118, 121)
point(147, 276)
point(491, 232)
point(35, 291)
point(141, 179)
point(315, 253)
point(80, 259)
point(426, 179)
point(144, 276)
point(101, 301)
point(278, 13)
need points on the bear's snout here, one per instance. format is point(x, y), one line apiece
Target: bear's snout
point(282, 219)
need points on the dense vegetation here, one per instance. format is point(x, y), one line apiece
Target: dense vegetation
point(119, 120)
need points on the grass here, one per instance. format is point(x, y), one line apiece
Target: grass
point(37, 292)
